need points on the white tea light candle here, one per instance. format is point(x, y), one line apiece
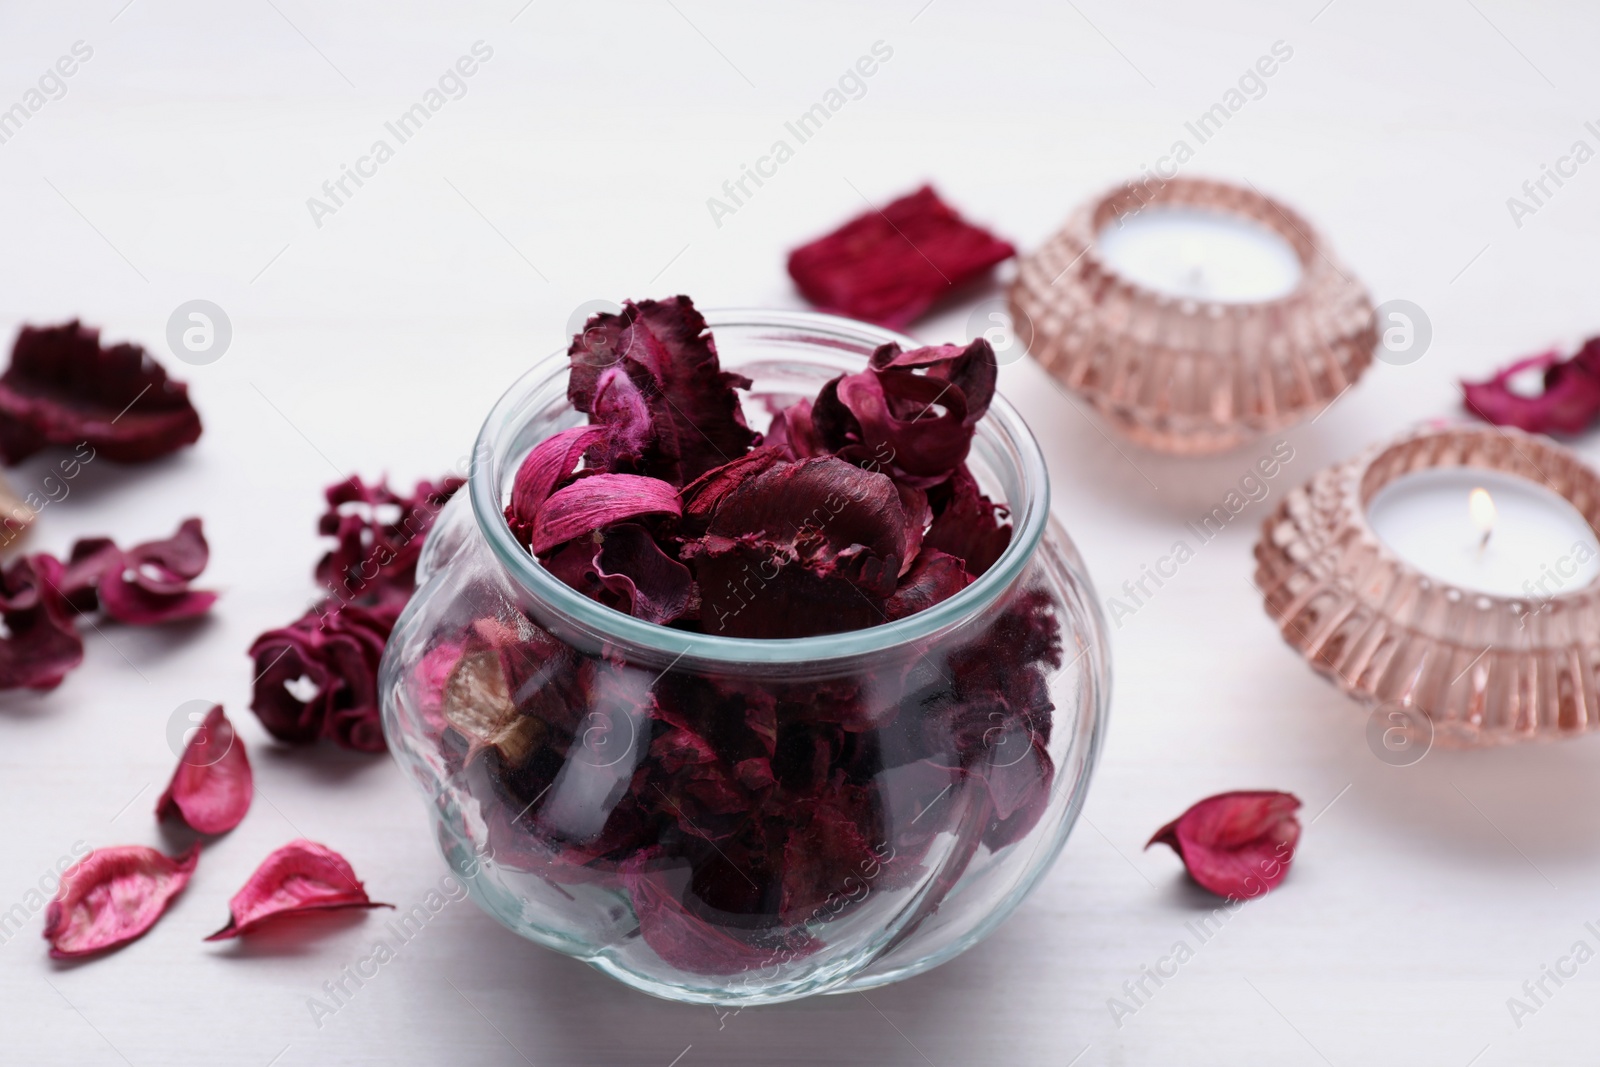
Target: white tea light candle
point(1486, 531)
point(1201, 255)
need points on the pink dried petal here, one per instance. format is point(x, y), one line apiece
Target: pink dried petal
point(149, 584)
point(621, 408)
point(63, 388)
point(890, 266)
point(39, 644)
point(1237, 845)
point(663, 346)
point(212, 787)
point(299, 878)
point(590, 503)
point(551, 462)
point(112, 897)
point(1569, 403)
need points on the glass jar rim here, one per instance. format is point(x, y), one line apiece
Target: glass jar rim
point(1001, 422)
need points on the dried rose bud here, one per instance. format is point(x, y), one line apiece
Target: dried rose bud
point(299, 878)
point(212, 787)
point(1238, 845)
point(112, 897)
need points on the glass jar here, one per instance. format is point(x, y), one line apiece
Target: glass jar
point(736, 821)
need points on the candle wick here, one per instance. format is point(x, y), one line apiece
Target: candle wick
point(1484, 542)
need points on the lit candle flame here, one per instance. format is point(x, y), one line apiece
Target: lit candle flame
point(1481, 505)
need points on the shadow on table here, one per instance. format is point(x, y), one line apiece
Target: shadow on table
point(556, 1010)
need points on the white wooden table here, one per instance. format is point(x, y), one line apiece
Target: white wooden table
point(577, 166)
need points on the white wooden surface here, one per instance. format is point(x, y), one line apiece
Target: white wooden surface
point(576, 167)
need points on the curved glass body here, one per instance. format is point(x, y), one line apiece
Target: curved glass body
point(735, 821)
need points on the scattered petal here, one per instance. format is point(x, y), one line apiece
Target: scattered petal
point(890, 266)
point(317, 678)
point(1237, 845)
point(149, 583)
point(299, 878)
point(63, 388)
point(212, 787)
point(112, 897)
point(40, 644)
point(1569, 402)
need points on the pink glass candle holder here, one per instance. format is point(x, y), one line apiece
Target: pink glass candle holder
point(1184, 374)
point(1460, 666)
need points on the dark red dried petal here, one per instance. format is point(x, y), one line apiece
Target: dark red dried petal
point(149, 584)
point(801, 549)
point(300, 878)
point(1237, 845)
point(911, 414)
point(212, 787)
point(329, 657)
point(664, 348)
point(966, 523)
point(702, 496)
point(112, 897)
point(591, 503)
point(318, 677)
point(379, 536)
point(935, 576)
point(890, 266)
point(626, 570)
point(39, 644)
point(63, 388)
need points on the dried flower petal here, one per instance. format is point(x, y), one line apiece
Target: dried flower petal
point(890, 266)
point(590, 503)
point(318, 676)
point(212, 787)
point(63, 388)
point(663, 347)
point(38, 643)
point(112, 897)
point(149, 583)
point(299, 878)
point(626, 569)
point(801, 549)
point(379, 536)
point(1569, 403)
point(966, 523)
point(935, 576)
point(1237, 845)
point(551, 462)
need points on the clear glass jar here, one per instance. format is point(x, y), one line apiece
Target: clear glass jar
point(735, 821)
